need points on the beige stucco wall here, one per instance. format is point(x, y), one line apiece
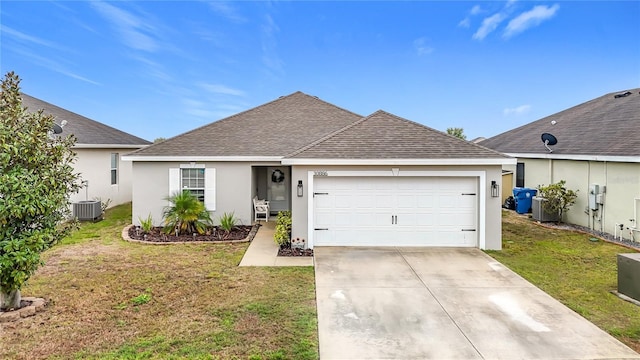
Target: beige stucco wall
point(236, 185)
point(94, 165)
point(233, 189)
point(492, 209)
point(507, 185)
point(622, 181)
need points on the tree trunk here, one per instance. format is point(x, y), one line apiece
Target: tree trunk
point(9, 300)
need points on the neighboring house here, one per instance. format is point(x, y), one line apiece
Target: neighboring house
point(348, 180)
point(598, 143)
point(99, 150)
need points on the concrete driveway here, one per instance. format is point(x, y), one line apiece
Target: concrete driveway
point(443, 303)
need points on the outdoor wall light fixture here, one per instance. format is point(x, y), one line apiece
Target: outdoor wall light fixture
point(495, 189)
point(300, 188)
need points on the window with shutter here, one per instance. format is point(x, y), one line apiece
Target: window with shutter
point(198, 180)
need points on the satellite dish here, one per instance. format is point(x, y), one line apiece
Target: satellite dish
point(57, 129)
point(548, 139)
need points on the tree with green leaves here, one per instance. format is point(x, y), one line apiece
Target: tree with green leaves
point(557, 198)
point(457, 132)
point(36, 179)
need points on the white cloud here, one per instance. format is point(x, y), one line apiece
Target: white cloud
point(22, 37)
point(135, 32)
point(221, 89)
point(153, 69)
point(529, 19)
point(270, 57)
point(49, 63)
point(522, 109)
point(225, 9)
point(466, 22)
point(489, 24)
point(421, 47)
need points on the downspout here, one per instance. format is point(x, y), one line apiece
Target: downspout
point(604, 202)
point(592, 213)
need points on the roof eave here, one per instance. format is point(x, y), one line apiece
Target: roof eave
point(162, 158)
point(578, 157)
point(109, 146)
point(461, 161)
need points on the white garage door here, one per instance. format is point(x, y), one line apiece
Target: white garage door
point(395, 211)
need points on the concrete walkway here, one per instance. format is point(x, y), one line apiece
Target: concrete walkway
point(263, 251)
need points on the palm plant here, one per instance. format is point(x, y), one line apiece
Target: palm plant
point(186, 215)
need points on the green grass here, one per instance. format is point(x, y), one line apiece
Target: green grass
point(110, 299)
point(109, 229)
point(576, 271)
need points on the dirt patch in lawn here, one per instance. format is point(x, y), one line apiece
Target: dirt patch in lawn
point(129, 301)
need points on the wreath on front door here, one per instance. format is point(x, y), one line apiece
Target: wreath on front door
point(277, 176)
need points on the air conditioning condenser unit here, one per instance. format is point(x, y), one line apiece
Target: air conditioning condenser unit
point(87, 210)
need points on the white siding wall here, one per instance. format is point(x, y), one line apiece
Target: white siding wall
point(622, 181)
point(94, 165)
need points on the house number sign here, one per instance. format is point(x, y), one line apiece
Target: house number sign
point(320, 173)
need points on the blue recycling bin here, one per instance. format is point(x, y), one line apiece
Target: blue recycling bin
point(523, 197)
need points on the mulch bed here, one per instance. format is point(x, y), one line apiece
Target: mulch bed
point(239, 232)
point(215, 234)
point(287, 251)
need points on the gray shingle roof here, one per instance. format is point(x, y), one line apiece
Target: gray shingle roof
point(87, 131)
point(386, 136)
point(605, 126)
point(273, 129)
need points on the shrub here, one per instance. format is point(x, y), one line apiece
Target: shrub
point(282, 235)
point(146, 224)
point(103, 204)
point(558, 198)
point(186, 215)
point(228, 222)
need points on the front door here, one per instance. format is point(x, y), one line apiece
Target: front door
point(278, 188)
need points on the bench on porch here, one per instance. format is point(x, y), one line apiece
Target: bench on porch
point(260, 207)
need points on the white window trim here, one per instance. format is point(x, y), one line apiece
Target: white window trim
point(175, 179)
point(116, 169)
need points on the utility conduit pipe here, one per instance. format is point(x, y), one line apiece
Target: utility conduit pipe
point(615, 230)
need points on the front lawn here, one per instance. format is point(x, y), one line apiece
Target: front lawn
point(578, 272)
point(111, 299)
point(116, 300)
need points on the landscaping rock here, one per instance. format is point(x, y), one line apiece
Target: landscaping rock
point(27, 311)
point(9, 316)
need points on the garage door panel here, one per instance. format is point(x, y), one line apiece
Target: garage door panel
point(345, 201)
point(406, 201)
point(383, 201)
point(396, 211)
point(323, 202)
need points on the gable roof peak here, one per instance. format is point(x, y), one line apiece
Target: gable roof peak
point(271, 129)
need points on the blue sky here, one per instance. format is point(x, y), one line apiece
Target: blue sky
point(160, 68)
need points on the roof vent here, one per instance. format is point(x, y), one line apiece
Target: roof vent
point(622, 95)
